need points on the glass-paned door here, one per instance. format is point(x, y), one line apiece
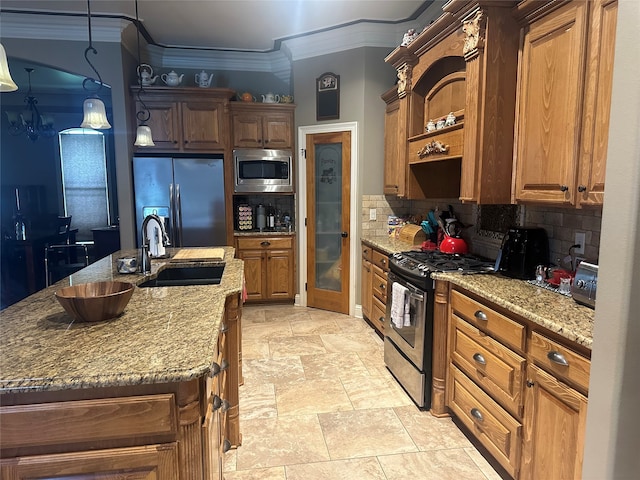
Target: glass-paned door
point(328, 203)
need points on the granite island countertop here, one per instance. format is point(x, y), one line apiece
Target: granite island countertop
point(166, 334)
point(558, 313)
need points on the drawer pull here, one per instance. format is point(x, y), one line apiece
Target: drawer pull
point(480, 315)
point(217, 403)
point(224, 364)
point(477, 414)
point(226, 446)
point(383, 261)
point(557, 358)
point(265, 243)
point(382, 286)
point(479, 358)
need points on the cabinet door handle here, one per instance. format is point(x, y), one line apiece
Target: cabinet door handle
point(226, 446)
point(225, 406)
point(479, 358)
point(265, 243)
point(564, 188)
point(215, 370)
point(480, 315)
point(557, 358)
point(477, 414)
point(530, 383)
point(382, 286)
point(224, 365)
point(217, 403)
point(224, 328)
point(344, 234)
point(175, 142)
point(383, 261)
point(582, 188)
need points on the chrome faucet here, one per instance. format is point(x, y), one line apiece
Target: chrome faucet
point(154, 246)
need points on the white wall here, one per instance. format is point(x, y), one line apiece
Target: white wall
point(613, 417)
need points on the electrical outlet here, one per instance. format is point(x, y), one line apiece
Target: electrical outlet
point(580, 239)
point(373, 214)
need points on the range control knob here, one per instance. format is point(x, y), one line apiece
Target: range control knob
point(581, 283)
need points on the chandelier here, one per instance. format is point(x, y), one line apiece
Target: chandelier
point(30, 122)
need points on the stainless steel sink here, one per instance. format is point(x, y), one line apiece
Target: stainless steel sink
point(182, 276)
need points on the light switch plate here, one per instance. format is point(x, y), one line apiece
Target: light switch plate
point(373, 214)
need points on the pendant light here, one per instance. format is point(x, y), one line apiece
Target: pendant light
point(143, 132)
point(6, 82)
point(95, 115)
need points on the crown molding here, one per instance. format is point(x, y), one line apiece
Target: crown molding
point(111, 29)
point(58, 27)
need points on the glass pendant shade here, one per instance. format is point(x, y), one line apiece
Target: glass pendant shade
point(95, 115)
point(6, 82)
point(143, 137)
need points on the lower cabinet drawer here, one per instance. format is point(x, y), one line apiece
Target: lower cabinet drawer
point(379, 285)
point(378, 312)
point(493, 426)
point(560, 361)
point(499, 370)
point(88, 420)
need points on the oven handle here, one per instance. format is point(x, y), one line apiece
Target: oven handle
point(414, 292)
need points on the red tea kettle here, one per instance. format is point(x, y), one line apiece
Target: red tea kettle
point(453, 245)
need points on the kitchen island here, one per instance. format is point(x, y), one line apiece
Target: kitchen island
point(154, 391)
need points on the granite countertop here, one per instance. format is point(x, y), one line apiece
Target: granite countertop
point(558, 313)
point(166, 334)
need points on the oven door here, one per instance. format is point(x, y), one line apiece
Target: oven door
point(409, 338)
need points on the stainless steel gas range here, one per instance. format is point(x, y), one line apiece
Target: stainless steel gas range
point(408, 342)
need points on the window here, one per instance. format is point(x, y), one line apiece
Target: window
point(84, 180)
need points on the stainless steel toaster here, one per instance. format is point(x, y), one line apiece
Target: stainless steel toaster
point(585, 284)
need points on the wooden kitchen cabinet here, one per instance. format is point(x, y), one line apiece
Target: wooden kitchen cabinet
point(258, 125)
point(269, 267)
point(187, 120)
point(366, 293)
point(554, 428)
point(464, 63)
point(375, 269)
point(519, 389)
point(564, 98)
point(394, 157)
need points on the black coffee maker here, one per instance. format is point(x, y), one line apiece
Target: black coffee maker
point(523, 248)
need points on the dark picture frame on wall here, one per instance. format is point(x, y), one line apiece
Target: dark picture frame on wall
point(328, 96)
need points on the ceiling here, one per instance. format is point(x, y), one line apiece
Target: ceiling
point(262, 32)
point(245, 25)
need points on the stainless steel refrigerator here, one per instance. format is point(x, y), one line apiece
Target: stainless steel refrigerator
point(188, 193)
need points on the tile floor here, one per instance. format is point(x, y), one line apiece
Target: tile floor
point(318, 403)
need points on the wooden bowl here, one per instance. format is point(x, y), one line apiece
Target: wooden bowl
point(94, 302)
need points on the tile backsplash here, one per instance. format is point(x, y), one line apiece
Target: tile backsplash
point(561, 224)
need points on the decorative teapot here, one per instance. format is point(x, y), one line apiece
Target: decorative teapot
point(145, 75)
point(172, 79)
point(203, 79)
point(270, 98)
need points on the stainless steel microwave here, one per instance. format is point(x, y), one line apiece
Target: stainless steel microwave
point(262, 171)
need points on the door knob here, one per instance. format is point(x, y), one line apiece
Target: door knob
point(344, 234)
